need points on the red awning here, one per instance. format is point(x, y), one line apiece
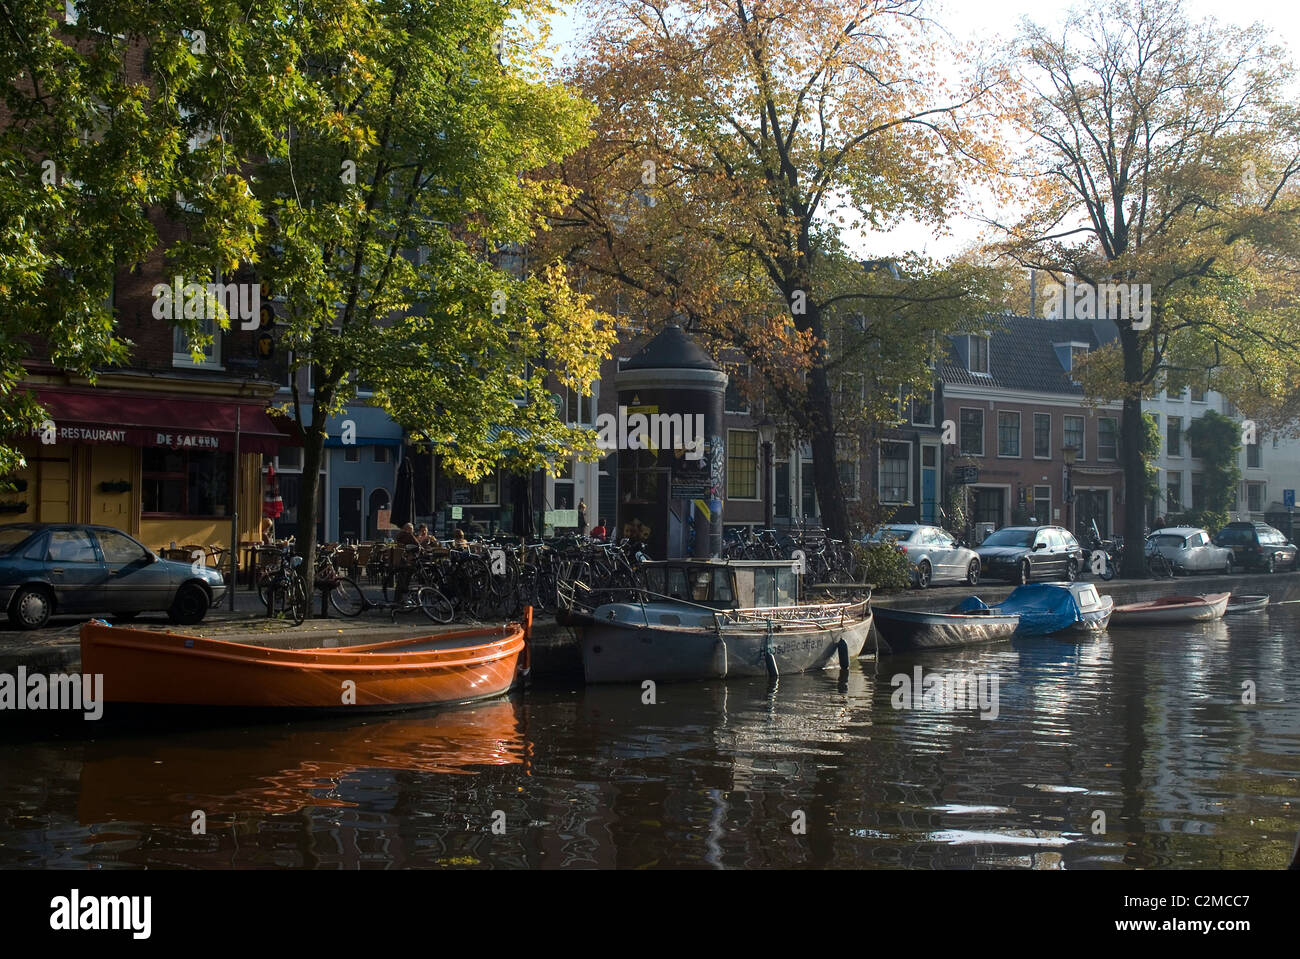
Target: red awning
point(109, 416)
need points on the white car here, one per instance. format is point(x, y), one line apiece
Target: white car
point(935, 556)
point(1190, 550)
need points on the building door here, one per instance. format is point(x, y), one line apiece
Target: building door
point(781, 489)
point(807, 491)
point(929, 482)
point(378, 500)
point(1092, 505)
point(988, 505)
point(54, 491)
point(349, 513)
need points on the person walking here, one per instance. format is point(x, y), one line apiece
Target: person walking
point(582, 517)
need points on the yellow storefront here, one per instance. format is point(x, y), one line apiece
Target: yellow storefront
point(158, 463)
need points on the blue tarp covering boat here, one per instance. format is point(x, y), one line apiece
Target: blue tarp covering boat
point(1050, 607)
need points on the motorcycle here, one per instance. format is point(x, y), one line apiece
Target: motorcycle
point(1105, 556)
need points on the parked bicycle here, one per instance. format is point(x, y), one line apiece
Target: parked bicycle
point(281, 587)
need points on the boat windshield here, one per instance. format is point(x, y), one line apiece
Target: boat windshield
point(889, 532)
point(1009, 537)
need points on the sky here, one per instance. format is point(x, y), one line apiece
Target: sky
point(994, 21)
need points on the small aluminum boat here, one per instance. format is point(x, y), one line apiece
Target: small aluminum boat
point(1047, 608)
point(1172, 609)
point(1238, 603)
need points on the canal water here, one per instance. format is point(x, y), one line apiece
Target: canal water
point(1133, 749)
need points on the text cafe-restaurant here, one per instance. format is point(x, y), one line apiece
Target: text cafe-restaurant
point(159, 465)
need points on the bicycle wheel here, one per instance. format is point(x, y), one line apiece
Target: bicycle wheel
point(435, 605)
point(297, 609)
point(347, 598)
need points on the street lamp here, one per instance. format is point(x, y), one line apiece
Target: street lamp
point(767, 436)
point(1069, 454)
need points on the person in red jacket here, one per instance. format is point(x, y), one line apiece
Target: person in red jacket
point(599, 532)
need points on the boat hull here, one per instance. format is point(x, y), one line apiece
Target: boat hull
point(1186, 609)
point(624, 652)
point(1245, 604)
point(141, 666)
point(910, 630)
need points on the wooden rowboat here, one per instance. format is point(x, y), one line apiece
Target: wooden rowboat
point(1171, 609)
point(1246, 604)
point(906, 630)
point(142, 666)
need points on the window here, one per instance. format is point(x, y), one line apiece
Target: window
point(1073, 435)
point(1253, 460)
point(923, 409)
point(381, 454)
point(211, 353)
point(1198, 491)
point(352, 454)
point(1008, 433)
point(1198, 395)
point(742, 464)
point(120, 549)
point(578, 407)
point(1174, 436)
point(1255, 497)
point(185, 483)
point(71, 546)
point(972, 432)
point(977, 354)
point(1107, 438)
point(1173, 491)
point(1041, 507)
point(1043, 436)
point(1077, 353)
point(895, 472)
point(290, 459)
point(735, 400)
point(483, 493)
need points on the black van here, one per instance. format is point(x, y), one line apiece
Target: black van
point(1257, 546)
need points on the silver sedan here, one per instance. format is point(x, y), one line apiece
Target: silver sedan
point(1190, 550)
point(934, 555)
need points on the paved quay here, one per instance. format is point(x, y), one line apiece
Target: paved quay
point(555, 649)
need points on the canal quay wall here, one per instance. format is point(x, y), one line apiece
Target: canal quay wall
point(555, 650)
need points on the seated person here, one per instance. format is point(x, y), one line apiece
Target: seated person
point(406, 536)
point(458, 539)
point(422, 535)
point(601, 530)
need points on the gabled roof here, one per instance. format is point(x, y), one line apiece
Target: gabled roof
point(1022, 355)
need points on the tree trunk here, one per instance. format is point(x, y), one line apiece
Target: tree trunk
point(312, 455)
point(821, 414)
point(1132, 432)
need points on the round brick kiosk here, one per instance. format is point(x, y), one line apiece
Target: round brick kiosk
point(672, 458)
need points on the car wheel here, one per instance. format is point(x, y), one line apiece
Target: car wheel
point(1270, 564)
point(1071, 570)
point(923, 574)
point(190, 605)
point(1025, 571)
point(973, 573)
point(1227, 567)
point(32, 607)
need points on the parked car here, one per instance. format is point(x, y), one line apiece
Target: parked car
point(1019, 554)
point(1257, 546)
point(51, 568)
point(933, 553)
point(1189, 550)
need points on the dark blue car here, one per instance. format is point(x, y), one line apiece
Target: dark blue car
point(49, 569)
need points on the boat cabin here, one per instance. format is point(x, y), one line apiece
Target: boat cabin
point(718, 584)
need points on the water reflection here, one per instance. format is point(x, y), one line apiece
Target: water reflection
point(1141, 732)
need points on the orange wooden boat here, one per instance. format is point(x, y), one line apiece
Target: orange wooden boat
point(142, 666)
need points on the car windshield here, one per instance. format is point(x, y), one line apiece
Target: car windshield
point(890, 532)
point(12, 537)
point(1010, 537)
point(1167, 539)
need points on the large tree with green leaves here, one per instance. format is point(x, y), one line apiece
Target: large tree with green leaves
point(737, 143)
point(1167, 154)
point(90, 150)
point(389, 145)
